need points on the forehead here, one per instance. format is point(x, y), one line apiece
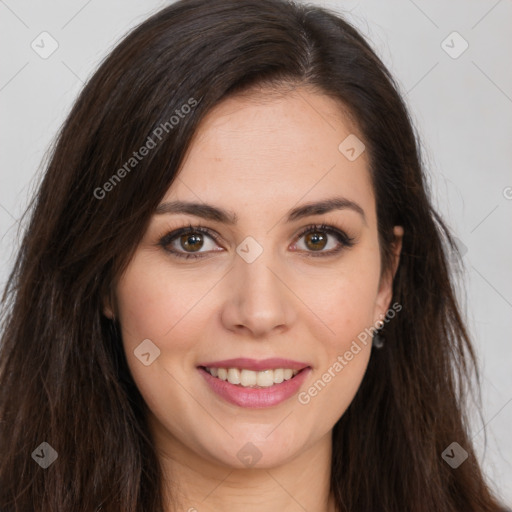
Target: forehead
point(263, 150)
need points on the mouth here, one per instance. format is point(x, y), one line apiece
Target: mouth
point(250, 383)
point(253, 379)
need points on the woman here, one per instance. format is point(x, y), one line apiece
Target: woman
point(233, 292)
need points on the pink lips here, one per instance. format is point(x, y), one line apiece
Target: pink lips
point(256, 397)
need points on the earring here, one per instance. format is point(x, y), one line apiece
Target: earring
point(378, 338)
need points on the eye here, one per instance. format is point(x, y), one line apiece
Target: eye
point(188, 241)
point(189, 238)
point(317, 239)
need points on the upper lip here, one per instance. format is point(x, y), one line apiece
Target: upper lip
point(255, 364)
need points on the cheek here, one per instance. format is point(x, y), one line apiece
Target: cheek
point(168, 308)
point(345, 303)
point(347, 310)
point(152, 301)
point(345, 299)
point(155, 305)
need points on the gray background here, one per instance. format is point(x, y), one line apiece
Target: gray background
point(461, 106)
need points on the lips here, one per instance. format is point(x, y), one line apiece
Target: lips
point(255, 397)
point(288, 378)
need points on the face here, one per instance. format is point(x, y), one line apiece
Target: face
point(266, 279)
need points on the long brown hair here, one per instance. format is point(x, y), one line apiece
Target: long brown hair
point(63, 372)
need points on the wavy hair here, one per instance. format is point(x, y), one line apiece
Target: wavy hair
point(63, 373)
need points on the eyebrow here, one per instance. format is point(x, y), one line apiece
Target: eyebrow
point(215, 213)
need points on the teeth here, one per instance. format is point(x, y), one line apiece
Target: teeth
point(250, 378)
point(247, 378)
point(233, 376)
point(287, 374)
point(278, 375)
point(265, 379)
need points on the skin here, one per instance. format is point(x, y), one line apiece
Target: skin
point(259, 159)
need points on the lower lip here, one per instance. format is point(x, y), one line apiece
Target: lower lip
point(255, 397)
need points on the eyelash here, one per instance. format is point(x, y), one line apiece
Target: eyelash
point(345, 240)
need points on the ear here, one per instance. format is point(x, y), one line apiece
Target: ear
point(385, 292)
point(108, 305)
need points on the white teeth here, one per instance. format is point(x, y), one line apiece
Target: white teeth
point(278, 375)
point(234, 375)
point(247, 378)
point(287, 374)
point(265, 379)
point(250, 378)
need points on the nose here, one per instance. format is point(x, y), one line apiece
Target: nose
point(257, 299)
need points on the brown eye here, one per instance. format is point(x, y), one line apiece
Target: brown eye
point(192, 242)
point(317, 238)
point(315, 241)
point(189, 242)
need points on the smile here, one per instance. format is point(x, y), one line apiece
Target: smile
point(254, 389)
point(253, 379)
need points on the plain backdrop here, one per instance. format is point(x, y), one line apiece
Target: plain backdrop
point(459, 91)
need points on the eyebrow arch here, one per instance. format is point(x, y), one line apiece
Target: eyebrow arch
point(214, 213)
